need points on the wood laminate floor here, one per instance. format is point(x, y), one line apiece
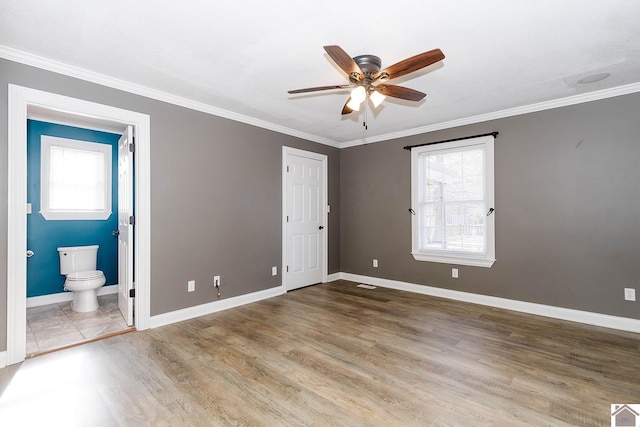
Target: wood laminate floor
point(335, 355)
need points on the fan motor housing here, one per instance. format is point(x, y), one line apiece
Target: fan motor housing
point(369, 64)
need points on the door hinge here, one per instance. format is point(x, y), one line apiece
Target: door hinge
point(287, 168)
point(132, 293)
point(287, 268)
point(287, 218)
point(132, 148)
point(132, 220)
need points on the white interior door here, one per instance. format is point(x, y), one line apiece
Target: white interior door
point(305, 227)
point(125, 228)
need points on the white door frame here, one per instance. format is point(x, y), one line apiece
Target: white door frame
point(125, 228)
point(325, 203)
point(20, 99)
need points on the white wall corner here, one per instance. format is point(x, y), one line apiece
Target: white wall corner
point(579, 316)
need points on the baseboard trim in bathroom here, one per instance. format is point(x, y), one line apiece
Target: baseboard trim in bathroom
point(66, 296)
point(75, 344)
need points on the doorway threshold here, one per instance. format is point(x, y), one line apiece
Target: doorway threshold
point(78, 343)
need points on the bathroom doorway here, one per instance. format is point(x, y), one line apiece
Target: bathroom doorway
point(27, 103)
point(72, 201)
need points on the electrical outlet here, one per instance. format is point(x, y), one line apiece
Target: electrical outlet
point(191, 285)
point(454, 273)
point(216, 281)
point(629, 294)
point(274, 271)
point(375, 263)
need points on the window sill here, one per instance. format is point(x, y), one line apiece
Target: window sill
point(454, 259)
point(70, 216)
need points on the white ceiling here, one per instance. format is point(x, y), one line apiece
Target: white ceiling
point(238, 59)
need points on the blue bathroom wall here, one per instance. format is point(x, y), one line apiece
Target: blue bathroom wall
point(44, 237)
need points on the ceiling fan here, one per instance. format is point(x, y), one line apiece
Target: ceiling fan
point(367, 80)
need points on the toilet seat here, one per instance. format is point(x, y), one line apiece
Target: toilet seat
point(85, 275)
point(84, 281)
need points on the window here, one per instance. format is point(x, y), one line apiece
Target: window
point(75, 179)
point(452, 197)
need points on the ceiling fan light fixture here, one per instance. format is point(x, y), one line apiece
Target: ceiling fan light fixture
point(376, 98)
point(358, 94)
point(364, 74)
point(355, 106)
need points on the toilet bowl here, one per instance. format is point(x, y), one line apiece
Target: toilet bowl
point(78, 264)
point(84, 285)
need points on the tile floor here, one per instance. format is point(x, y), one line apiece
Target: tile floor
point(57, 325)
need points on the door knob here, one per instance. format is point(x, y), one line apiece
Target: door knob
point(116, 232)
point(30, 253)
point(321, 227)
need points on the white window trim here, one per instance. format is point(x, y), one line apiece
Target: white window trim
point(450, 257)
point(46, 143)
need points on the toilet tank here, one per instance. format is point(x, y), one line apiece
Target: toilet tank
point(77, 258)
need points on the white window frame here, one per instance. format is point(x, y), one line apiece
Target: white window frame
point(485, 259)
point(46, 142)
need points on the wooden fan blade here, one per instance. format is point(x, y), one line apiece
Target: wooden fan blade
point(346, 109)
point(412, 64)
point(315, 89)
point(344, 61)
point(401, 92)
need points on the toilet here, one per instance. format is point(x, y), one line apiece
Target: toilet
point(78, 263)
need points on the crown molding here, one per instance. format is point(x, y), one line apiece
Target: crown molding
point(104, 80)
point(510, 112)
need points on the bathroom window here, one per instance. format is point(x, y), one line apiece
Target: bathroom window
point(75, 179)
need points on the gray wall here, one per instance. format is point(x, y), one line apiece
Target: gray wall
point(567, 203)
point(567, 209)
point(215, 195)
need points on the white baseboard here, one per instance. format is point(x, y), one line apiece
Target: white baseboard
point(333, 277)
point(65, 296)
point(586, 317)
point(108, 290)
point(213, 307)
point(3, 359)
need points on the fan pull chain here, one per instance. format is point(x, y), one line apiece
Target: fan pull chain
point(364, 123)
